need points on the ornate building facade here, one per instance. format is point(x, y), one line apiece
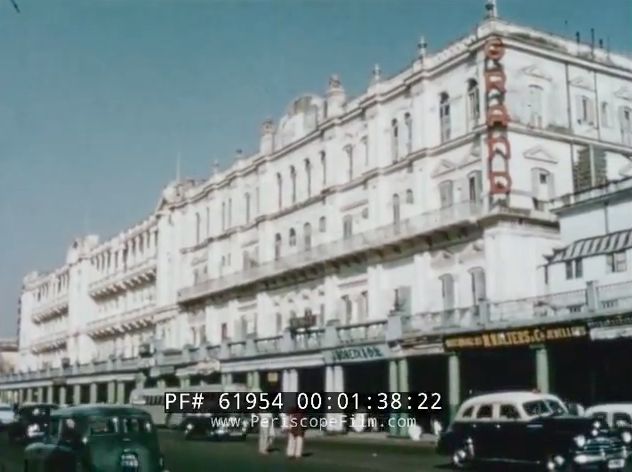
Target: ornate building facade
point(387, 220)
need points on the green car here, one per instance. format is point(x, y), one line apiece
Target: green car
point(97, 438)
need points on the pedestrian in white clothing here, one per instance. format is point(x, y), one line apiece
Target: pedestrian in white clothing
point(266, 432)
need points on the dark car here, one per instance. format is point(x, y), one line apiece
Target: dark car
point(97, 437)
point(30, 422)
point(213, 426)
point(530, 428)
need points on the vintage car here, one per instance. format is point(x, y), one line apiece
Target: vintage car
point(531, 429)
point(617, 415)
point(97, 437)
point(7, 415)
point(213, 426)
point(30, 422)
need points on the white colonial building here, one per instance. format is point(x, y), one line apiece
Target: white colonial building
point(301, 249)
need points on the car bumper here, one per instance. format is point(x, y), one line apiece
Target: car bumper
point(586, 462)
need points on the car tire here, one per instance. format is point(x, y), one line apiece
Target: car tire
point(551, 466)
point(459, 459)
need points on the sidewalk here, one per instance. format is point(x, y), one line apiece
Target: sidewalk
point(382, 439)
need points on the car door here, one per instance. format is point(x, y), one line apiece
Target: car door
point(509, 433)
point(483, 432)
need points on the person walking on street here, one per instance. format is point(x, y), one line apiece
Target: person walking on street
point(295, 439)
point(266, 431)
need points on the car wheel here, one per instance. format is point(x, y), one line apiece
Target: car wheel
point(557, 463)
point(460, 459)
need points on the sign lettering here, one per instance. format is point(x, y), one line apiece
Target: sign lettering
point(355, 354)
point(516, 337)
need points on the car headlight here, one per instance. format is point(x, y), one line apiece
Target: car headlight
point(32, 429)
point(189, 426)
point(580, 441)
point(626, 436)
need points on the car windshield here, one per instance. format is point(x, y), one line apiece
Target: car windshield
point(6, 408)
point(543, 408)
point(36, 412)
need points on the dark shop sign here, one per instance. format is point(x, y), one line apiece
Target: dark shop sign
point(357, 354)
point(515, 337)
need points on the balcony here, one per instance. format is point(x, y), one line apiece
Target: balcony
point(130, 276)
point(385, 236)
point(50, 342)
point(120, 323)
point(55, 308)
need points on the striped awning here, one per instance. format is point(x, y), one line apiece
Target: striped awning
point(604, 244)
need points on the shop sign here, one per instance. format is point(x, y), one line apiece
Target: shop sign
point(611, 321)
point(358, 354)
point(515, 337)
point(614, 332)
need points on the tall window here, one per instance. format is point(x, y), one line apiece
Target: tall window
point(479, 290)
point(292, 237)
point(258, 201)
point(447, 291)
point(347, 307)
point(396, 209)
point(279, 190)
point(409, 196)
point(542, 185)
point(444, 116)
point(625, 118)
point(293, 183)
point(308, 177)
point(616, 262)
point(347, 227)
point(247, 202)
point(605, 115)
point(365, 150)
point(208, 225)
point(323, 166)
point(279, 323)
point(349, 153)
point(473, 103)
point(322, 224)
point(408, 122)
point(574, 269)
point(223, 216)
point(198, 225)
point(277, 246)
point(394, 140)
point(535, 105)
point(475, 185)
point(230, 212)
point(585, 110)
point(446, 194)
point(307, 235)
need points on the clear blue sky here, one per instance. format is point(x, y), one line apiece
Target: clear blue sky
point(97, 97)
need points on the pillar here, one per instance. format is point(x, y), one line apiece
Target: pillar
point(293, 380)
point(111, 392)
point(454, 384)
point(339, 386)
point(49, 394)
point(161, 384)
point(62, 395)
point(256, 380)
point(185, 381)
point(93, 392)
point(29, 395)
point(227, 379)
point(249, 380)
point(40, 394)
point(285, 381)
point(542, 369)
point(120, 393)
point(393, 386)
point(76, 394)
point(140, 381)
point(402, 368)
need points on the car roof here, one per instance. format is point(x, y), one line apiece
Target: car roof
point(100, 410)
point(610, 407)
point(38, 405)
point(510, 397)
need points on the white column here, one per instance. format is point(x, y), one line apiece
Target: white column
point(339, 386)
point(285, 381)
point(294, 380)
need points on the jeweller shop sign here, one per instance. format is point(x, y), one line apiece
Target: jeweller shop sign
point(515, 337)
point(345, 355)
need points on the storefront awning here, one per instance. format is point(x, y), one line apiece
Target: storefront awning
point(615, 332)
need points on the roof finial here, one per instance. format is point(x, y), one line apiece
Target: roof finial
point(422, 47)
point(491, 9)
point(377, 74)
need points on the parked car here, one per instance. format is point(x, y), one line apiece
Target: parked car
point(30, 422)
point(7, 415)
point(530, 428)
point(617, 415)
point(97, 437)
point(212, 426)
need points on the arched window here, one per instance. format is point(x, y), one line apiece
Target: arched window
point(323, 166)
point(475, 185)
point(394, 140)
point(349, 152)
point(396, 209)
point(444, 116)
point(473, 103)
point(293, 183)
point(292, 237)
point(277, 245)
point(197, 228)
point(279, 190)
point(408, 121)
point(307, 235)
point(308, 177)
point(605, 115)
point(409, 196)
point(447, 291)
point(477, 277)
point(365, 150)
point(247, 203)
point(625, 119)
point(322, 224)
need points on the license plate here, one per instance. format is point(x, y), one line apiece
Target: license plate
point(616, 464)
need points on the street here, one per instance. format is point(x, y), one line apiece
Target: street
point(330, 455)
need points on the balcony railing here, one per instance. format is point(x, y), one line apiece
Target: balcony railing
point(131, 275)
point(593, 302)
point(52, 309)
point(122, 322)
point(372, 239)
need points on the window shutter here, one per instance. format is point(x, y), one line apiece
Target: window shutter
point(591, 111)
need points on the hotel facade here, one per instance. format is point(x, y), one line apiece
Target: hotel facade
point(419, 236)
